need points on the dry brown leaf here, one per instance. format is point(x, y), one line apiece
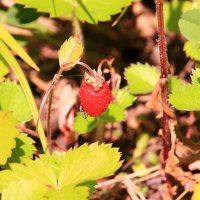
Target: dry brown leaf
point(173, 165)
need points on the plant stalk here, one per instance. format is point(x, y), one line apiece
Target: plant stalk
point(164, 65)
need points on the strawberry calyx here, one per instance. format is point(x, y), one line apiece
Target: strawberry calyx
point(95, 79)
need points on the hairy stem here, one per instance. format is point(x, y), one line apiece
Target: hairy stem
point(164, 74)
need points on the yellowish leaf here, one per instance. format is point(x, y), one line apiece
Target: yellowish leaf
point(196, 194)
point(70, 51)
point(8, 133)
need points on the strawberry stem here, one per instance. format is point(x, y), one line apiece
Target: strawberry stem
point(65, 66)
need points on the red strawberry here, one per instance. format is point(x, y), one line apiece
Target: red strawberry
point(95, 94)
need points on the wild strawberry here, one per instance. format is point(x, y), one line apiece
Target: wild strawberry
point(95, 94)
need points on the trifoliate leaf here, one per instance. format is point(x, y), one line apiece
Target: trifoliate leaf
point(8, 133)
point(3, 67)
point(124, 98)
point(87, 163)
point(13, 99)
point(173, 11)
point(24, 149)
point(141, 78)
point(196, 192)
point(114, 113)
point(77, 166)
point(186, 96)
point(82, 125)
point(69, 192)
point(24, 190)
point(90, 11)
point(189, 25)
point(70, 51)
point(192, 50)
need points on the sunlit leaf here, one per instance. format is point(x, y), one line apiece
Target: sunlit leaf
point(24, 149)
point(173, 11)
point(192, 50)
point(88, 163)
point(3, 67)
point(37, 170)
point(24, 190)
point(55, 8)
point(13, 99)
point(186, 96)
point(76, 167)
point(124, 98)
point(141, 78)
point(90, 11)
point(189, 25)
point(69, 192)
point(82, 125)
point(196, 193)
point(11, 42)
point(70, 51)
point(8, 133)
point(114, 113)
point(173, 82)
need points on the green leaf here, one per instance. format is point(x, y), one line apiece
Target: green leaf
point(90, 11)
point(141, 78)
point(3, 68)
point(88, 163)
point(70, 51)
point(13, 99)
point(173, 11)
point(196, 75)
point(37, 170)
point(82, 125)
point(189, 25)
point(192, 50)
point(124, 98)
point(8, 133)
point(18, 15)
point(24, 149)
point(69, 192)
point(56, 8)
point(24, 190)
point(10, 41)
point(173, 83)
point(77, 166)
point(186, 96)
point(53, 161)
point(26, 89)
point(114, 113)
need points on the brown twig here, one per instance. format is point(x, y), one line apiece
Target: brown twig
point(28, 131)
point(129, 176)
